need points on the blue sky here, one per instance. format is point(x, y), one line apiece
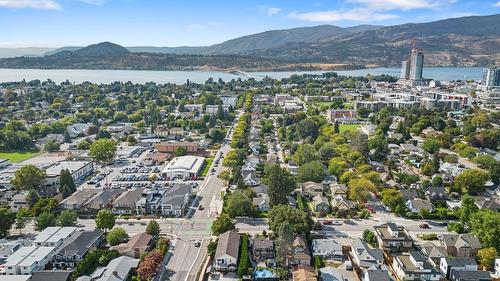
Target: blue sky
point(54, 23)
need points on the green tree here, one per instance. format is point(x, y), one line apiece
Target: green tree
point(67, 218)
point(83, 145)
point(305, 153)
point(243, 262)
point(486, 257)
point(392, 198)
point(217, 135)
point(116, 236)
point(370, 238)
point(45, 220)
point(28, 177)
point(6, 221)
point(22, 217)
point(222, 224)
point(489, 163)
point(312, 171)
point(51, 146)
point(280, 184)
point(103, 150)
point(66, 179)
point(153, 228)
point(471, 181)
point(47, 205)
point(32, 197)
point(180, 151)
point(485, 225)
point(283, 241)
point(238, 204)
point(337, 166)
point(431, 145)
point(300, 221)
point(105, 220)
point(360, 189)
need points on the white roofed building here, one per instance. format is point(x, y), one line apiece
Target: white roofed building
point(184, 167)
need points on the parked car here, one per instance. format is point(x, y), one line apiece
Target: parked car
point(424, 225)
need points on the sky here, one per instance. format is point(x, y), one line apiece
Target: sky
point(56, 23)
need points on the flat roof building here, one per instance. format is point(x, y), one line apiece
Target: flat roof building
point(184, 167)
point(28, 260)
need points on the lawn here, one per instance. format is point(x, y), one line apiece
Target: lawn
point(348, 127)
point(17, 157)
point(208, 164)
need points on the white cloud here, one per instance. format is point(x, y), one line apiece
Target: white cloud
point(405, 5)
point(94, 2)
point(359, 15)
point(270, 11)
point(497, 4)
point(34, 4)
point(192, 27)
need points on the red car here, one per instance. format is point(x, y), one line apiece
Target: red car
point(424, 225)
point(326, 222)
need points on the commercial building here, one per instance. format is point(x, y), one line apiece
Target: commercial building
point(491, 78)
point(184, 167)
point(79, 170)
point(416, 65)
point(171, 147)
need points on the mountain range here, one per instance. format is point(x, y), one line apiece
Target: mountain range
point(465, 41)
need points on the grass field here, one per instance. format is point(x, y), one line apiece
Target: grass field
point(17, 157)
point(208, 163)
point(348, 127)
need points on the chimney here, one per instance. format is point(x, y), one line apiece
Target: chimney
point(115, 273)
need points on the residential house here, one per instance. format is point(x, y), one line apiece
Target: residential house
point(416, 205)
point(470, 275)
point(414, 266)
point(27, 260)
point(52, 275)
point(226, 255)
point(433, 253)
point(78, 129)
point(437, 193)
point(364, 256)
point(327, 248)
point(342, 205)
point(448, 264)
point(74, 250)
point(331, 274)
point(261, 202)
point(461, 245)
point(124, 204)
point(150, 202)
point(376, 274)
point(262, 249)
point(304, 273)
point(320, 203)
point(136, 246)
point(312, 189)
point(299, 252)
point(54, 236)
point(102, 200)
point(77, 200)
point(393, 238)
point(19, 201)
point(175, 200)
point(117, 269)
point(338, 189)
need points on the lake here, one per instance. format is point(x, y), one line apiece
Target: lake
point(180, 77)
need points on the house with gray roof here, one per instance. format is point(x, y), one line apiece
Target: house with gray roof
point(125, 202)
point(327, 248)
point(448, 264)
point(461, 245)
point(414, 266)
point(226, 255)
point(175, 200)
point(74, 250)
point(365, 256)
point(470, 275)
point(102, 200)
point(117, 270)
point(393, 238)
point(416, 205)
